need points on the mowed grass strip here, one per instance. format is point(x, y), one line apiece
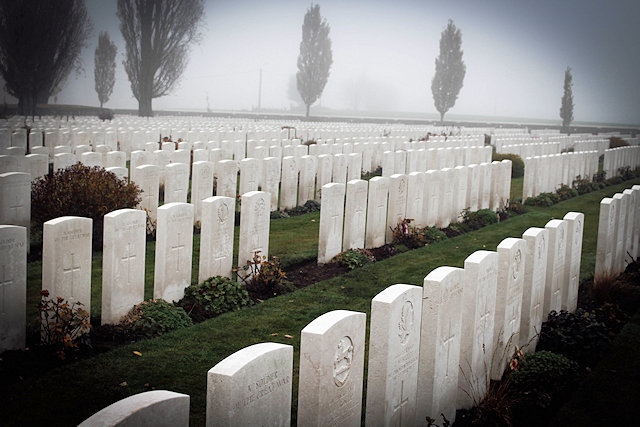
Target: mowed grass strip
point(179, 361)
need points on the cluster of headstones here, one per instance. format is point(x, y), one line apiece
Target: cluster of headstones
point(545, 174)
point(616, 158)
point(67, 255)
point(425, 357)
point(618, 232)
point(363, 214)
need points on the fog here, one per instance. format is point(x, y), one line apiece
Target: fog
point(384, 52)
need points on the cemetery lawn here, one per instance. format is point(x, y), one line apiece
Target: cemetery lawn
point(34, 393)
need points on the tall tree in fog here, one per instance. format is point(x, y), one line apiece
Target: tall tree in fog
point(566, 106)
point(157, 34)
point(315, 58)
point(450, 70)
point(40, 44)
point(104, 71)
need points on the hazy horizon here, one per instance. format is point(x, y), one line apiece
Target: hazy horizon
point(384, 53)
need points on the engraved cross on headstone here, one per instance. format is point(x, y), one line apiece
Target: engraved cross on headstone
point(178, 248)
point(72, 270)
point(4, 283)
point(447, 343)
point(128, 259)
point(398, 408)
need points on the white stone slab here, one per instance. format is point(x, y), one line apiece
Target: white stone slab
point(201, 185)
point(397, 204)
point(147, 177)
point(331, 369)
point(174, 251)
point(289, 183)
point(216, 237)
point(15, 194)
point(226, 172)
point(535, 276)
point(556, 265)
point(606, 245)
point(13, 287)
point(376, 212)
point(355, 214)
point(123, 263)
point(176, 184)
point(251, 387)
point(255, 217)
point(394, 347)
point(575, 227)
point(331, 222)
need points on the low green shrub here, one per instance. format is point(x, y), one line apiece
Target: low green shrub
point(309, 206)
point(478, 219)
point(565, 192)
point(542, 378)
point(517, 164)
point(264, 278)
point(415, 237)
point(354, 258)
point(214, 296)
point(153, 318)
point(579, 336)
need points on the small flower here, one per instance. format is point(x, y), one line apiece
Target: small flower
point(44, 293)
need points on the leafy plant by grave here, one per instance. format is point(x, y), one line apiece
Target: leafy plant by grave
point(517, 164)
point(214, 296)
point(478, 219)
point(579, 336)
point(64, 327)
point(565, 192)
point(153, 318)
point(542, 378)
point(354, 258)
point(413, 236)
point(84, 191)
point(264, 278)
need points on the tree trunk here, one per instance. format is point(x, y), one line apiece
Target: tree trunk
point(27, 104)
point(144, 106)
point(441, 118)
point(308, 106)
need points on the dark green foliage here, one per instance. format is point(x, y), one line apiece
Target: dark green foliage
point(354, 258)
point(153, 318)
point(616, 141)
point(415, 237)
point(565, 192)
point(478, 219)
point(543, 200)
point(80, 190)
point(578, 336)
point(515, 207)
point(543, 377)
point(584, 185)
point(214, 296)
point(264, 278)
point(517, 164)
point(309, 206)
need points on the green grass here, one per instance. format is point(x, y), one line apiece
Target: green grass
point(179, 361)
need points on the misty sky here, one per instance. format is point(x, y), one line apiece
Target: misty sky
point(384, 51)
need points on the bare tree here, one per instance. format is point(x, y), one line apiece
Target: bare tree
point(315, 58)
point(158, 34)
point(450, 70)
point(104, 71)
point(566, 106)
point(40, 44)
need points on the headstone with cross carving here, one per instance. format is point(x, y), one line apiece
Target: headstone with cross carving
point(147, 177)
point(440, 344)
point(201, 185)
point(66, 259)
point(15, 194)
point(556, 265)
point(331, 222)
point(325, 170)
point(473, 187)
point(271, 169)
point(289, 182)
point(506, 331)
point(606, 245)
point(376, 212)
point(355, 214)
point(249, 178)
point(394, 346)
point(176, 182)
point(174, 244)
point(226, 172)
point(535, 273)
point(216, 237)
point(354, 166)
point(331, 369)
point(415, 198)
point(432, 193)
point(447, 195)
point(255, 217)
point(397, 204)
point(575, 227)
point(460, 201)
point(123, 263)
point(307, 185)
point(252, 387)
point(13, 286)
point(485, 185)
point(477, 339)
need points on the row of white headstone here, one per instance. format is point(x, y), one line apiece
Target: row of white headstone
point(545, 174)
point(617, 158)
point(618, 233)
point(363, 214)
point(425, 357)
point(67, 256)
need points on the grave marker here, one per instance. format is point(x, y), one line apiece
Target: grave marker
point(13, 287)
point(216, 237)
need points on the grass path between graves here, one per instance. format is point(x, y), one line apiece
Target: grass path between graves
point(179, 361)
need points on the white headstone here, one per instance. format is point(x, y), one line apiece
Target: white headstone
point(606, 246)
point(147, 178)
point(201, 185)
point(556, 265)
point(575, 227)
point(331, 222)
point(376, 212)
point(255, 217)
point(355, 214)
point(216, 237)
point(123, 262)
point(13, 287)
point(251, 387)
point(66, 259)
point(271, 179)
point(331, 369)
point(440, 344)
point(174, 247)
point(394, 347)
point(289, 183)
point(15, 194)
point(249, 175)
point(535, 274)
point(226, 172)
point(176, 184)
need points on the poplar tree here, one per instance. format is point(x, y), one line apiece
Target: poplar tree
point(566, 105)
point(315, 58)
point(104, 72)
point(450, 70)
